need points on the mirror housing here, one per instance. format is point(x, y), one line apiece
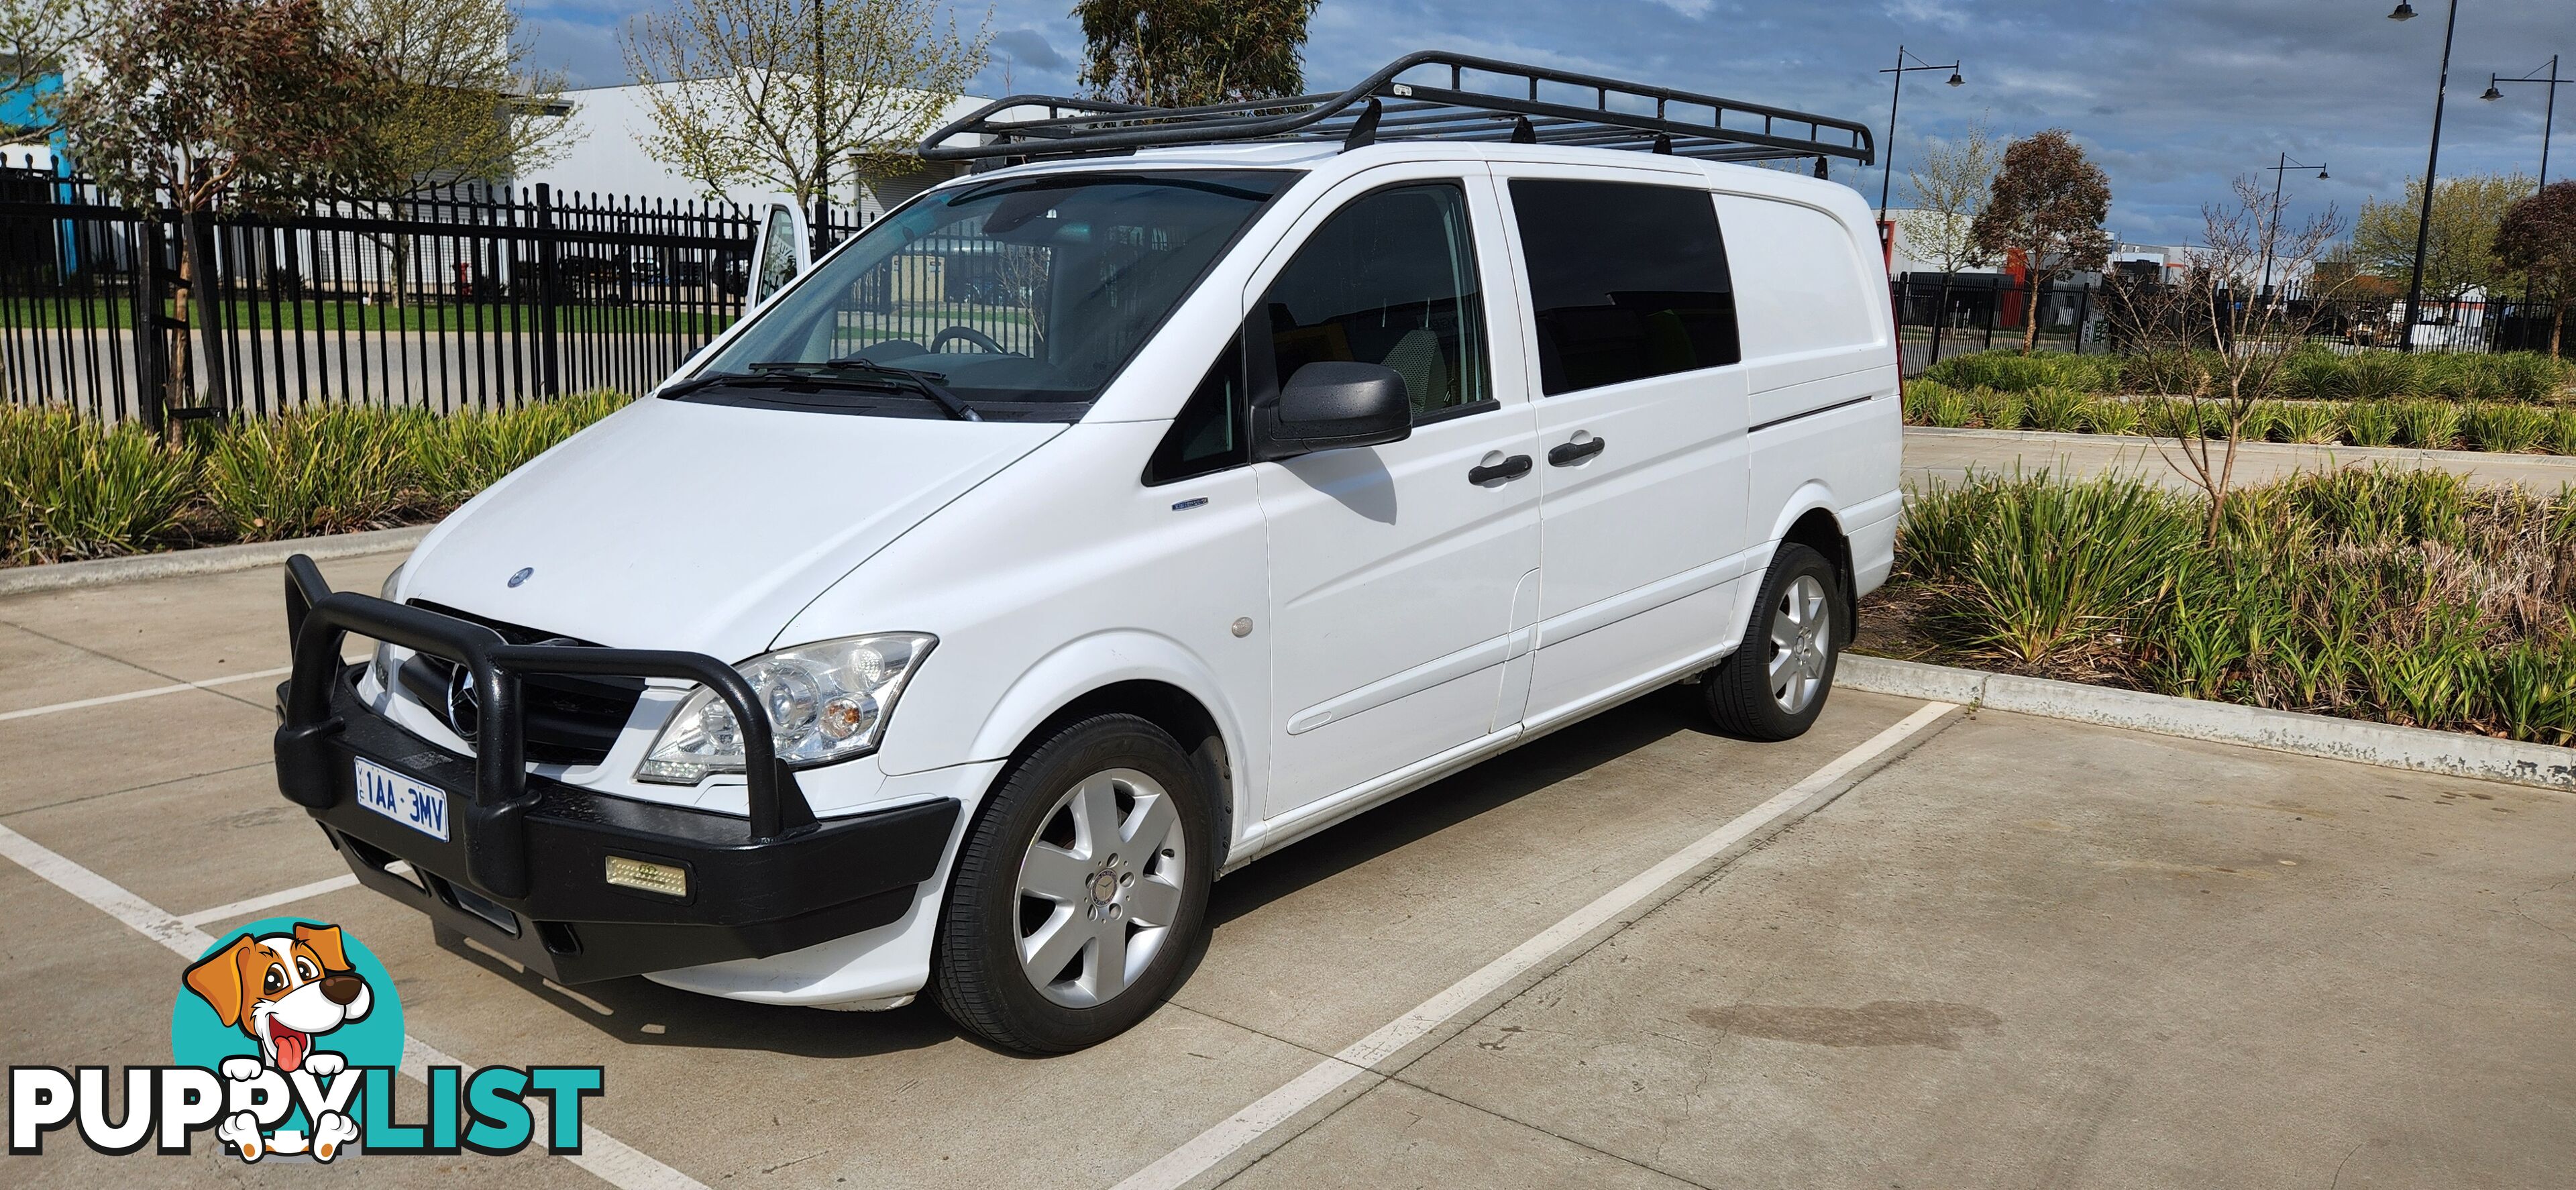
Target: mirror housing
point(1330, 405)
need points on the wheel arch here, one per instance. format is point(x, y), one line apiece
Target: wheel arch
point(1149, 677)
point(1812, 522)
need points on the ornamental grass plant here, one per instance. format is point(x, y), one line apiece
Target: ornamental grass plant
point(2385, 594)
point(72, 488)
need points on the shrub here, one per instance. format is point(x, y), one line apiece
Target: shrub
point(2370, 423)
point(2316, 376)
point(2309, 421)
point(2431, 425)
point(2382, 593)
point(2562, 432)
point(330, 471)
point(72, 488)
point(2381, 376)
point(2013, 372)
point(2111, 415)
point(2056, 408)
point(1996, 410)
point(2508, 428)
point(2531, 376)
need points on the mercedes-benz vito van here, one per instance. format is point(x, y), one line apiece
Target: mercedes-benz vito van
point(1102, 520)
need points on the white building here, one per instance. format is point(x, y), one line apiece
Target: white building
point(604, 154)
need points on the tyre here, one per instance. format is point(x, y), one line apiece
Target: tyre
point(1775, 684)
point(1079, 898)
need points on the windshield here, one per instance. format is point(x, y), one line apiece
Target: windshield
point(1021, 297)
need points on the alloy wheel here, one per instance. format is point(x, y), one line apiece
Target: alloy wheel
point(1099, 887)
point(1801, 634)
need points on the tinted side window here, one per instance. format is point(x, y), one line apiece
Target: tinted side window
point(1389, 279)
point(1208, 435)
point(1626, 281)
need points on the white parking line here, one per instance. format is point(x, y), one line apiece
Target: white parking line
point(155, 692)
point(1360, 1059)
point(612, 1160)
point(284, 896)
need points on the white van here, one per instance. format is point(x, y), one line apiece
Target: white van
point(1094, 525)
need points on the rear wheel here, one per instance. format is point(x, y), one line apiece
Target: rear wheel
point(1775, 684)
point(1080, 895)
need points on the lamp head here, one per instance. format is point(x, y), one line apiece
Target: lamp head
point(1955, 80)
point(2321, 174)
point(2405, 12)
point(2492, 94)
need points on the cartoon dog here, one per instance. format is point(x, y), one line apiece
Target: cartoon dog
point(284, 990)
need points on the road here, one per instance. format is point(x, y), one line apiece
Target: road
point(1963, 949)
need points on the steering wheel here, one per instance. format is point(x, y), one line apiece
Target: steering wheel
point(969, 334)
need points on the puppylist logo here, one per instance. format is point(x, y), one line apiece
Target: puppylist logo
point(286, 1037)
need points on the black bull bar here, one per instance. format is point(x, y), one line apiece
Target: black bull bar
point(491, 821)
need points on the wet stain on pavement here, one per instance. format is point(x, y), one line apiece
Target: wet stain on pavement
point(1880, 1022)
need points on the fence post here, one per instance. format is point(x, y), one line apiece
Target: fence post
point(152, 329)
point(2083, 315)
point(1994, 298)
point(549, 348)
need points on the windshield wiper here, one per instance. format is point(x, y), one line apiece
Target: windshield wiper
point(926, 383)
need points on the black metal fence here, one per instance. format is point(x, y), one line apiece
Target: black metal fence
point(1940, 316)
point(460, 297)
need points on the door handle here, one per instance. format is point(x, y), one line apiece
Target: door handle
point(1568, 454)
point(1511, 468)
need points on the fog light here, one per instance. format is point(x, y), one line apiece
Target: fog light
point(650, 877)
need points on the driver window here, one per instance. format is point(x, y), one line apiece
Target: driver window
point(1391, 280)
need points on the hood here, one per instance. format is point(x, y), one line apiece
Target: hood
point(672, 525)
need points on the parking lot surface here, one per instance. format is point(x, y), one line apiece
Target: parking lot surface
point(1987, 951)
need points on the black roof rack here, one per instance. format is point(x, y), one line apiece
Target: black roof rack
point(1463, 98)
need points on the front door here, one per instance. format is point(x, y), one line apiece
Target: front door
point(1641, 408)
point(1395, 570)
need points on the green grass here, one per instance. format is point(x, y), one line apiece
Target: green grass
point(2392, 595)
point(71, 488)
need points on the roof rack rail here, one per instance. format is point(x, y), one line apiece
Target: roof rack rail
point(1525, 104)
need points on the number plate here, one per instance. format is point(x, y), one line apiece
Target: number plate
point(420, 807)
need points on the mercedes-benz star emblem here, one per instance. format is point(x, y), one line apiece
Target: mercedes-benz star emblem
point(522, 575)
point(464, 713)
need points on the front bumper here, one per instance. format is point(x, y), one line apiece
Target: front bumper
point(523, 869)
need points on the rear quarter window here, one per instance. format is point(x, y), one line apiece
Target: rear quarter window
point(1627, 280)
point(1799, 277)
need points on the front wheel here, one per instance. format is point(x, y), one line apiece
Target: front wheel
point(1775, 684)
point(1080, 895)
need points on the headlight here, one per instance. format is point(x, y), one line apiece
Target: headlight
point(826, 702)
point(382, 668)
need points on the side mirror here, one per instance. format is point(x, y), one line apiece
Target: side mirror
point(1329, 405)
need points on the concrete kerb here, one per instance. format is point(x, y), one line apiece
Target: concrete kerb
point(2335, 454)
point(217, 559)
point(2446, 753)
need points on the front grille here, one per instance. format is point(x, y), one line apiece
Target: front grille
point(571, 718)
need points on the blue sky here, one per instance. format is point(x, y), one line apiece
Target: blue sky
point(2173, 97)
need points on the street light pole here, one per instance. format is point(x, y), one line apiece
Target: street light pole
point(2432, 160)
point(2549, 113)
point(1887, 177)
point(2273, 230)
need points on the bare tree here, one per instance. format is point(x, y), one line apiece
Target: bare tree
point(460, 102)
point(1951, 183)
point(2047, 208)
point(2215, 303)
point(798, 94)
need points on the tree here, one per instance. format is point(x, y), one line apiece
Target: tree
point(457, 98)
point(1183, 53)
point(797, 94)
point(2216, 303)
point(2537, 239)
point(1951, 186)
point(197, 104)
point(2459, 249)
point(2047, 207)
point(37, 37)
